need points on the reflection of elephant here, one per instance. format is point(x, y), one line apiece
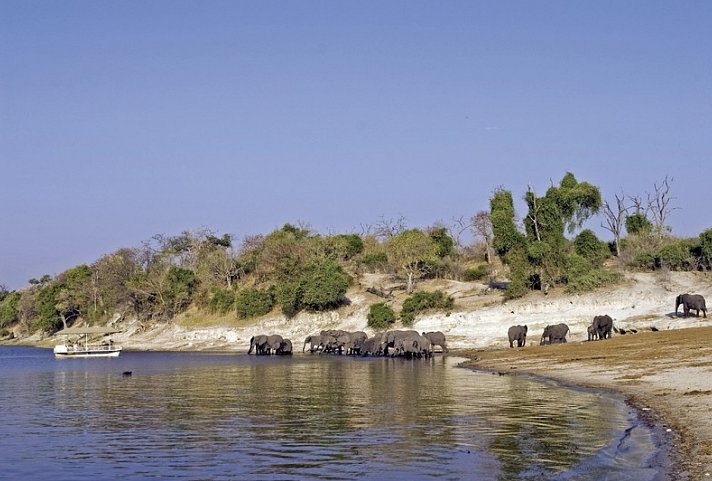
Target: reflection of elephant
point(691, 301)
point(603, 326)
point(258, 344)
point(436, 338)
point(554, 334)
point(285, 348)
point(519, 334)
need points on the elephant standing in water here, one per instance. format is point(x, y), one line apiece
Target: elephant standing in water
point(602, 325)
point(554, 334)
point(436, 338)
point(691, 301)
point(519, 334)
point(258, 344)
point(285, 348)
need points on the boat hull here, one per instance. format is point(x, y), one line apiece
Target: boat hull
point(62, 351)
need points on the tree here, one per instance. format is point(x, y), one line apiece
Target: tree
point(504, 229)
point(412, 251)
point(659, 206)
point(706, 248)
point(615, 220)
point(442, 240)
point(380, 316)
point(482, 227)
point(323, 285)
point(638, 224)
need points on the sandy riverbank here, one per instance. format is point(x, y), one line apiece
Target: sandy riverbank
point(667, 375)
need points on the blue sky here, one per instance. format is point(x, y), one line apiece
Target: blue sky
point(121, 120)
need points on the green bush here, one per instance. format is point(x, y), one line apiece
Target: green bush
point(581, 276)
point(374, 261)
point(251, 302)
point(706, 249)
point(588, 246)
point(180, 284)
point(9, 309)
point(221, 300)
point(421, 301)
point(676, 256)
point(288, 298)
point(638, 224)
point(475, 273)
point(323, 285)
point(380, 316)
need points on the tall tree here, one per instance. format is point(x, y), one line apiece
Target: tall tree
point(614, 218)
point(412, 251)
point(659, 206)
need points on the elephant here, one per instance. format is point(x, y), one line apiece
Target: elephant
point(691, 301)
point(285, 348)
point(519, 334)
point(258, 344)
point(554, 334)
point(592, 333)
point(391, 337)
point(315, 342)
point(603, 326)
point(273, 344)
point(436, 338)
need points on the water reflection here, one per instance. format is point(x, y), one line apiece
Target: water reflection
point(197, 416)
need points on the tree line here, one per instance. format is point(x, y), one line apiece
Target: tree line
point(294, 269)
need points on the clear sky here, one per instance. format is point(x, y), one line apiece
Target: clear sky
point(124, 119)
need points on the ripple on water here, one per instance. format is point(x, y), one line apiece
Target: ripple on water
point(226, 417)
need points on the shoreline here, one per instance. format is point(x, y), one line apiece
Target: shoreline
point(671, 390)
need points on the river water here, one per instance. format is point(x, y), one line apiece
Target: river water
point(199, 416)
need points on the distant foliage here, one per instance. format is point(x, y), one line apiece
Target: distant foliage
point(251, 302)
point(706, 249)
point(9, 308)
point(422, 301)
point(180, 285)
point(288, 296)
point(475, 273)
point(676, 256)
point(581, 276)
point(323, 285)
point(444, 243)
point(588, 246)
point(380, 316)
point(221, 301)
point(638, 224)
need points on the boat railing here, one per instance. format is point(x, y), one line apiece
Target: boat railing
point(92, 347)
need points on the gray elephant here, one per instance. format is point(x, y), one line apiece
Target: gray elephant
point(273, 344)
point(436, 338)
point(316, 342)
point(691, 301)
point(285, 348)
point(519, 334)
point(554, 334)
point(603, 326)
point(592, 333)
point(258, 344)
point(391, 337)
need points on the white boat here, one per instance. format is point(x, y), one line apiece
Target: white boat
point(81, 347)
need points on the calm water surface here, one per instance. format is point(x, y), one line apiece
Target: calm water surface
point(195, 416)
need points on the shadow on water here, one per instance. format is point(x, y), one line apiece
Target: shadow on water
point(224, 417)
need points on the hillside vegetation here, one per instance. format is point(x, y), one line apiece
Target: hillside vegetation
point(210, 280)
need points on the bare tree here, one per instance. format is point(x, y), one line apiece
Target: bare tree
point(615, 220)
point(659, 205)
point(387, 228)
point(482, 227)
point(458, 228)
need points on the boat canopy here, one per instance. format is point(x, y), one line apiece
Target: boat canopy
point(73, 331)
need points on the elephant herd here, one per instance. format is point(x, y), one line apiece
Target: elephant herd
point(412, 344)
point(602, 326)
point(409, 344)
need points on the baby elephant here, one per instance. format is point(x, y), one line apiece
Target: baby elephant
point(602, 326)
point(519, 334)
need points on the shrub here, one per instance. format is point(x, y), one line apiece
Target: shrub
point(9, 308)
point(475, 273)
point(581, 276)
point(645, 260)
point(287, 296)
point(380, 316)
point(251, 302)
point(638, 224)
point(676, 256)
point(588, 246)
point(323, 285)
point(374, 261)
point(221, 301)
point(421, 301)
